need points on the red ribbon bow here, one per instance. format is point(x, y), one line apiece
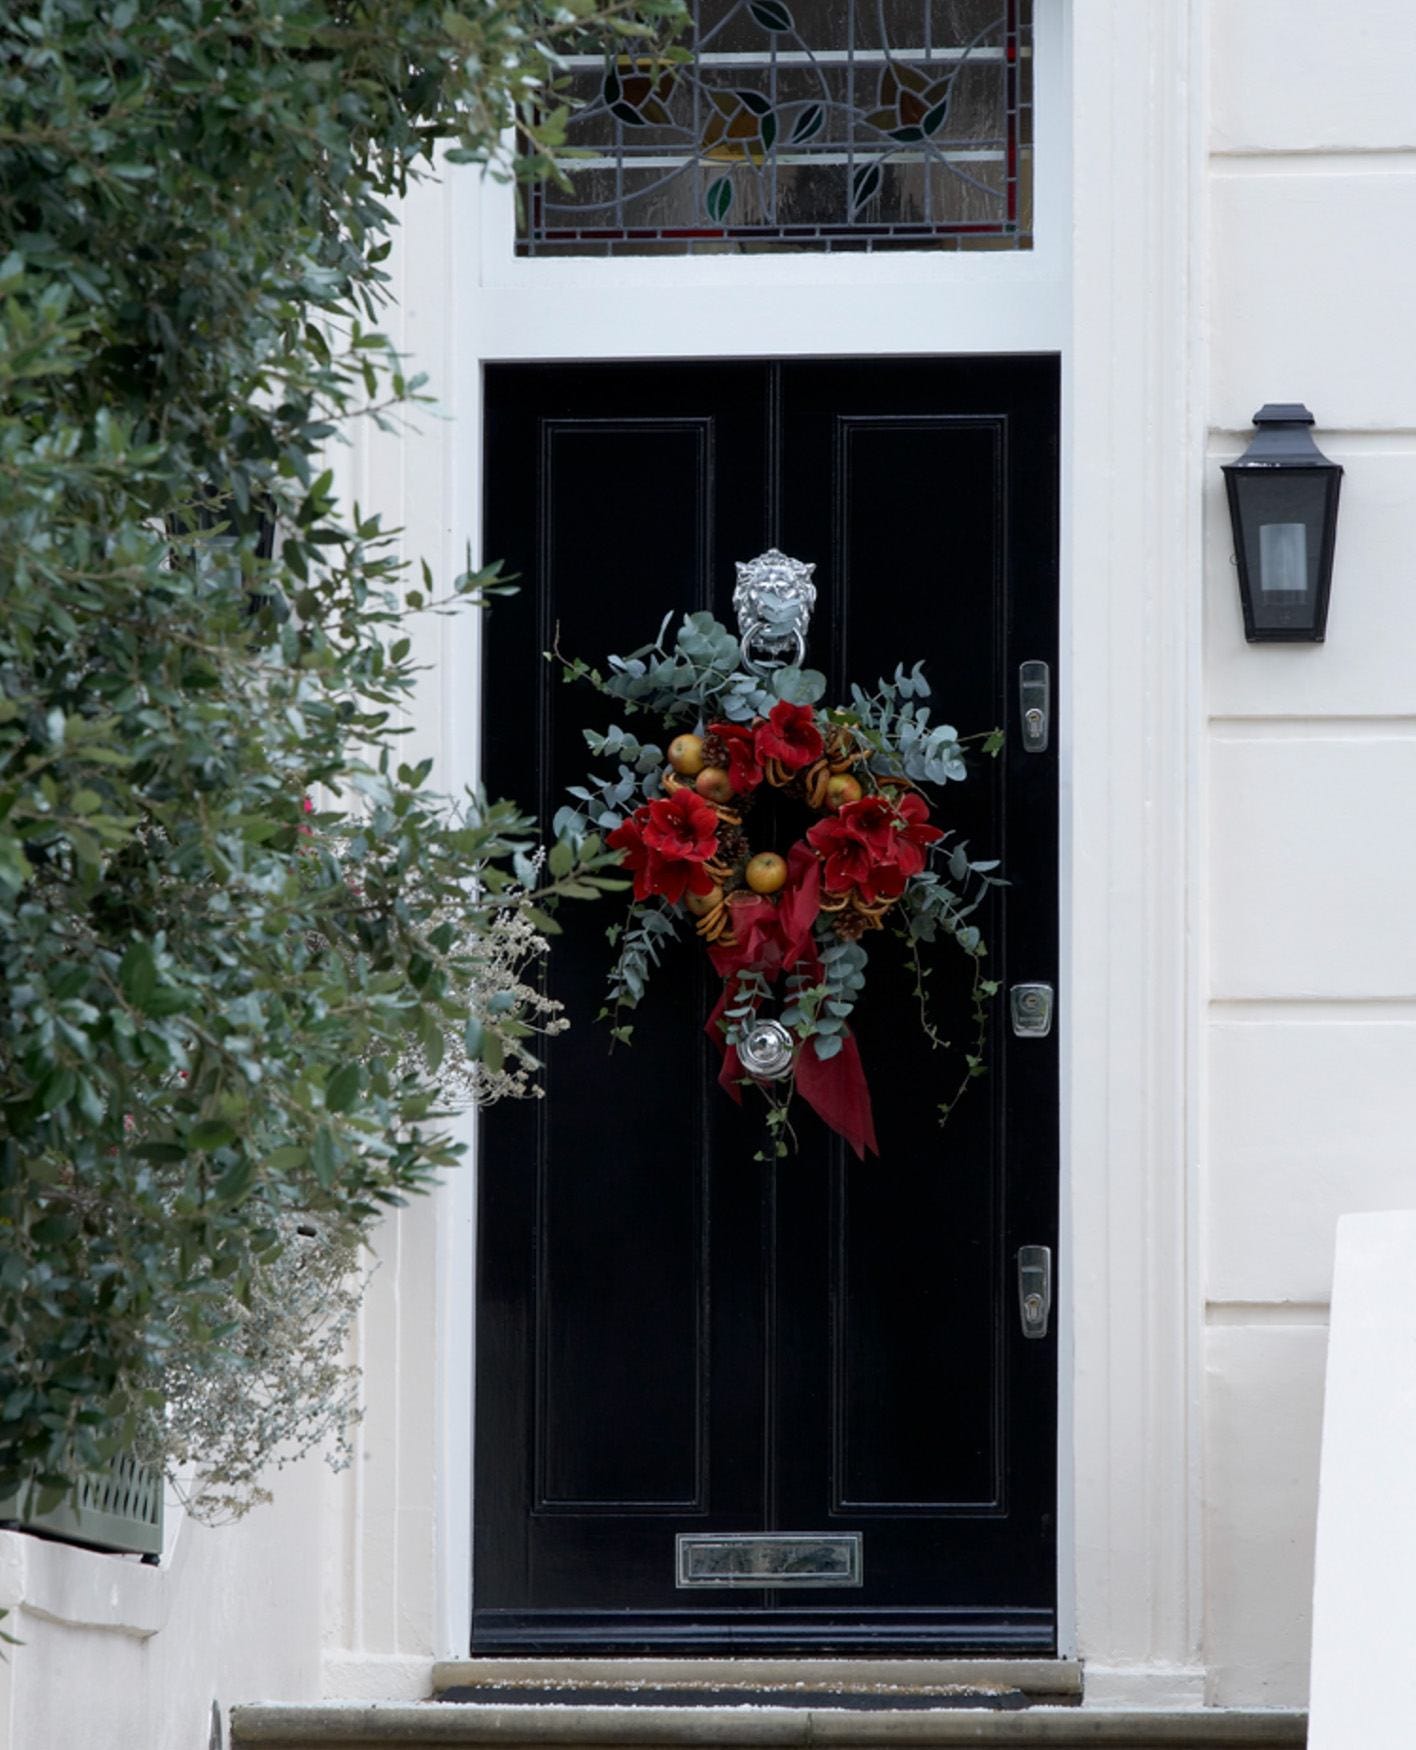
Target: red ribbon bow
point(773, 939)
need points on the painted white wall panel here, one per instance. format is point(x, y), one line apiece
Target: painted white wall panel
point(114, 1655)
point(1307, 1120)
point(1311, 295)
point(1307, 74)
point(1312, 852)
point(1364, 1610)
point(1262, 1430)
point(1367, 667)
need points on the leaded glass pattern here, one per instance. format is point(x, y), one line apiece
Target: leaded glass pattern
point(803, 125)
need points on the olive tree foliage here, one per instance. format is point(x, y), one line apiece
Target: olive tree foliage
point(220, 1013)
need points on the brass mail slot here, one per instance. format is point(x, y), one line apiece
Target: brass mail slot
point(769, 1558)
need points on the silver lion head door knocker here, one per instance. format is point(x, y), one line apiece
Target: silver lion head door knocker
point(773, 602)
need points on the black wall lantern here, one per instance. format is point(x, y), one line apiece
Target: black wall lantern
point(1283, 505)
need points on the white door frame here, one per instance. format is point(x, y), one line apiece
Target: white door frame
point(1112, 287)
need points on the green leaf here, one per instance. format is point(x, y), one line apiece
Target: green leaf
point(210, 1133)
point(137, 974)
point(57, 1089)
point(236, 1181)
point(342, 1088)
point(322, 1157)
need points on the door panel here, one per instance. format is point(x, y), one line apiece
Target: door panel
point(672, 1336)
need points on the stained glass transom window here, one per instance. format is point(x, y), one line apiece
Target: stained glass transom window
point(803, 125)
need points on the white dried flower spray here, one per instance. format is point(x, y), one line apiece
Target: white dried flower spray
point(287, 1385)
point(502, 1002)
point(284, 1387)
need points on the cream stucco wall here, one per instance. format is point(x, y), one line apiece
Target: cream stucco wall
point(1310, 992)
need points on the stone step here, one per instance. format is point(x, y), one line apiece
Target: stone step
point(359, 1725)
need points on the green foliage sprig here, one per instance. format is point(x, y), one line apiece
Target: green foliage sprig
point(214, 1012)
point(698, 673)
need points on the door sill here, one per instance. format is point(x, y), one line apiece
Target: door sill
point(1058, 1681)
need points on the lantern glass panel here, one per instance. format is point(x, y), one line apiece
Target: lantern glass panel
point(1282, 521)
point(1283, 557)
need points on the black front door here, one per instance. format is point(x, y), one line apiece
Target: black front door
point(674, 1338)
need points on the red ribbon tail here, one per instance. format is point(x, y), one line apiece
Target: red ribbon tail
point(770, 938)
point(836, 1091)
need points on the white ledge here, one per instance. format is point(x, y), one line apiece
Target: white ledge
point(84, 1588)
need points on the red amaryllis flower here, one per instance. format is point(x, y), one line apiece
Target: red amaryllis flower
point(915, 832)
point(789, 735)
point(674, 876)
point(743, 768)
point(666, 843)
point(682, 827)
point(874, 845)
point(628, 840)
point(852, 861)
point(848, 861)
point(871, 820)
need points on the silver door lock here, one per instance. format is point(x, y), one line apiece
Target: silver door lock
point(1035, 1289)
point(1035, 705)
point(1030, 1007)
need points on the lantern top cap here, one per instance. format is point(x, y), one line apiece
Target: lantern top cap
point(1283, 413)
point(1282, 439)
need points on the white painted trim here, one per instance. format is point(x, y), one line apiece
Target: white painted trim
point(1137, 444)
point(1059, 95)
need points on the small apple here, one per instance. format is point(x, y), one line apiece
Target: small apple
point(700, 904)
point(766, 872)
point(686, 754)
point(841, 789)
point(714, 784)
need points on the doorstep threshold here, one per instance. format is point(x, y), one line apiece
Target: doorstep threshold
point(1053, 1679)
point(354, 1725)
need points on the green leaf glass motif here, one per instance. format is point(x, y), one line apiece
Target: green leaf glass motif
point(808, 124)
point(810, 107)
point(719, 199)
point(771, 15)
point(864, 184)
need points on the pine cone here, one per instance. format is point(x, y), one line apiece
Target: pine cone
point(849, 925)
point(732, 844)
point(715, 752)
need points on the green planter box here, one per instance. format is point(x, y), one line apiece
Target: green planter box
point(119, 1510)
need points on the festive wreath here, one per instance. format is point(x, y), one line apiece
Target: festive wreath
point(789, 927)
